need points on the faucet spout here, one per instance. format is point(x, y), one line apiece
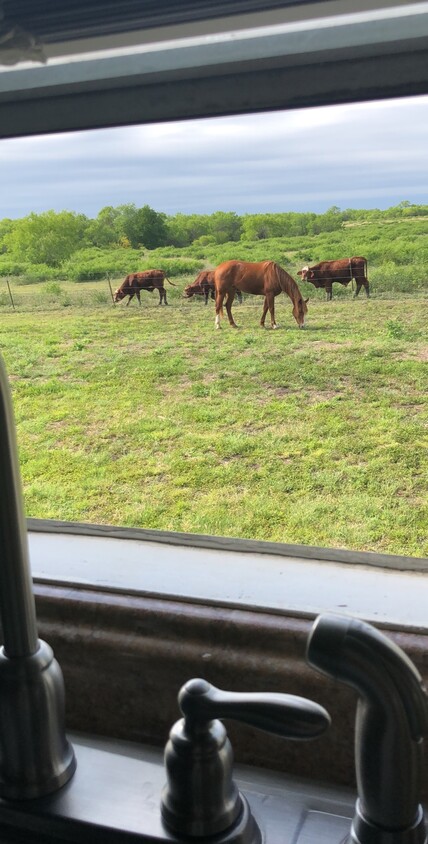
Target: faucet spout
point(391, 722)
point(35, 756)
point(17, 609)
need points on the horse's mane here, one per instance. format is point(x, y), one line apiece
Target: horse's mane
point(287, 283)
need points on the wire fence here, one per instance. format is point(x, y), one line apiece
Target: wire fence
point(19, 296)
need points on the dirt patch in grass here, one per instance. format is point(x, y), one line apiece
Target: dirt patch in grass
point(317, 396)
point(417, 354)
point(330, 346)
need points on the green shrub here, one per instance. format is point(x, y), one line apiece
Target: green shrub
point(53, 288)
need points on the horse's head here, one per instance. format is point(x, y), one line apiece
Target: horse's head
point(300, 309)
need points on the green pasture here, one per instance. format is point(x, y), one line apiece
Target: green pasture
point(149, 417)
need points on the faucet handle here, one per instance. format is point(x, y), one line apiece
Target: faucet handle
point(201, 798)
point(288, 716)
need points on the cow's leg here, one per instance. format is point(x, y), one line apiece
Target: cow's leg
point(164, 295)
point(366, 288)
point(137, 293)
point(218, 308)
point(358, 287)
point(131, 296)
point(206, 294)
point(265, 310)
point(229, 302)
point(329, 290)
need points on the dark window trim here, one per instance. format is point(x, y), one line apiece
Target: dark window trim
point(52, 22)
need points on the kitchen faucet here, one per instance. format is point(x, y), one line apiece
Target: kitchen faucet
point(391, 722)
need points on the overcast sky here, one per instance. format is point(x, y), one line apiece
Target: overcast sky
point(370, 155)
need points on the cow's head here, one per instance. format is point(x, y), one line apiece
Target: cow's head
point(118, 295)
point(300, 309)
point(303, 273)
point(189, 291)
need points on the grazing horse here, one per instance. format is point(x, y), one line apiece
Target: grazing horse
point(266, 279)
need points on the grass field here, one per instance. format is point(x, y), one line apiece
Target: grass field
point(149, 417)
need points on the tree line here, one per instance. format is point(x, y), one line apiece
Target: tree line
point(51, 237)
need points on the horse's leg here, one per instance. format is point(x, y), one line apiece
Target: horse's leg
point(265, 310)
point(271, 305)
point(218, 308)
point(229, 302)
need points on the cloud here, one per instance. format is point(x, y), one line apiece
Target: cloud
point(361, 155)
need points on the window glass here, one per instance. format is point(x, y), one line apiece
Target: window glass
point(148, 415)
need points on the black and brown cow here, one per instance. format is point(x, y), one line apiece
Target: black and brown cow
point(204, 285)
point(341, 271)
point(149, 280)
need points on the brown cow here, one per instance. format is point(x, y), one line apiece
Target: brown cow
point(326, 272)
point(149, 280)
point(204, 286)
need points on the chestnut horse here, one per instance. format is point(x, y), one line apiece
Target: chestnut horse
point(266, 279)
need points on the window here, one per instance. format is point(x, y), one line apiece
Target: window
point(302, 58)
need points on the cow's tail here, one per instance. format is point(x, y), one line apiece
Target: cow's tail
point(351, 271)
point(170, 282)
point(365, 265)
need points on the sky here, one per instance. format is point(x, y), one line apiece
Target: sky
point(364, 155)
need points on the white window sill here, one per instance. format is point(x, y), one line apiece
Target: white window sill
point(236, 573)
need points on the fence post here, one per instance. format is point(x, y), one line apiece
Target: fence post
point(111, 291)
point(10, 294)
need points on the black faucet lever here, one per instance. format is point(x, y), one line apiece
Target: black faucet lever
point(200, 797)
point(391, 722)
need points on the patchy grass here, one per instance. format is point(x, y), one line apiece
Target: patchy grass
point(149, 417)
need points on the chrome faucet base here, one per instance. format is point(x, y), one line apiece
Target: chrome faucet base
point(364, 832)
point(114, 798)
point(35, 756)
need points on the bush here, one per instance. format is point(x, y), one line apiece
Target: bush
point(95, 264)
